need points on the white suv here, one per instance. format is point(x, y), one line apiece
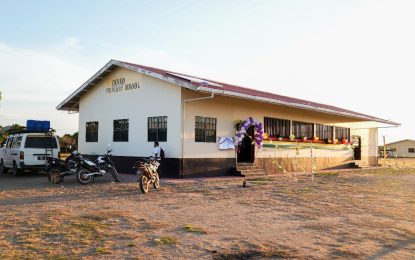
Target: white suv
point(27, 151)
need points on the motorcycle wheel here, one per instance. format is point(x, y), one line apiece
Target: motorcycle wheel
point(144, 183)
point(156, 183)
point(83, 178)
point(115, 175)
point(54, 176)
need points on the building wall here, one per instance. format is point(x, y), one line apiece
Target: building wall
point(227, 110)
point(402, 148)
point(153, 98)
point(369, 137)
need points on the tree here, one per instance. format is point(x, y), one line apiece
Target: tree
point(5, 131)
point(68, 142)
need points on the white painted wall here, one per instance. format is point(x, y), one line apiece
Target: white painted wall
point(402, 148)
point(153, 98)
point(158, 98)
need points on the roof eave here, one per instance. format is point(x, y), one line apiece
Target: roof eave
point(401, 141)
point(75, 96)
point(71, 103)
point(295, 105)
point(89, 82)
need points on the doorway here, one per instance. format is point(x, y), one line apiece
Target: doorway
point(246, 152)
point(357, 143)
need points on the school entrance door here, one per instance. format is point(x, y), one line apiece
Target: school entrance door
point(246, 152)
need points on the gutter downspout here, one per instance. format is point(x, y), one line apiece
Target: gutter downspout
point(212, 95)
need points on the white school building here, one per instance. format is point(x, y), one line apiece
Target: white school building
point(195, 120)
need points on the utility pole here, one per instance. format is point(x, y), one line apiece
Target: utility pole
point(384, 150)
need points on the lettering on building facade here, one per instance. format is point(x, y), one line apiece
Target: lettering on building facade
point(119, 85)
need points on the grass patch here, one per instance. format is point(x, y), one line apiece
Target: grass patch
point(190, 228)
point(60, 237)
point(85, 231)
point(327, 174)
point(394, 171)
point(166, 240)
point(101, 250)
point(305, 190)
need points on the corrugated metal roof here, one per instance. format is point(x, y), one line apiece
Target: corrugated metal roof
point(207, 85)
point(401, 141)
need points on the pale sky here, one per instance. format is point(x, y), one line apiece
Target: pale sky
point(358, 55)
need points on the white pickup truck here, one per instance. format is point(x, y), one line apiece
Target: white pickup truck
point(27, 151)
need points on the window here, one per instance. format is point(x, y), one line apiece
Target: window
point(9, 143)
point(40, 142)
point(411, 150)
point(324, 132)
point(275, 127)
point(91, 133)
point(342, 133)
point(205, 129)
point(301, 129)
point(16, 142)
point(157, 129)
point(120, 130)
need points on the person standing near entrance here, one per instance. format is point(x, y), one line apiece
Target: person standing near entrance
point(158, 154)
point(156, 150)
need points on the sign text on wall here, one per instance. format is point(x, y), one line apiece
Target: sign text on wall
point(119, 85)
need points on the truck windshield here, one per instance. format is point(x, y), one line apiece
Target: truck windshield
point(40, 142)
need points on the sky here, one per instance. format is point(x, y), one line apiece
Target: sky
point(358, 55)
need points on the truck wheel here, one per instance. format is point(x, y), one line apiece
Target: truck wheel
point(3, 168)
point(15, 170)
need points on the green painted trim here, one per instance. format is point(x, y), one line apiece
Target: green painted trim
point(301, 146)
point(270, 145)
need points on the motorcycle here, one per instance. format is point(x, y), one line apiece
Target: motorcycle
point(57, 169)
point(147, 173)
point(102, 165)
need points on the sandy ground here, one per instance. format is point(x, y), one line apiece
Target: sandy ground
point(356, 214)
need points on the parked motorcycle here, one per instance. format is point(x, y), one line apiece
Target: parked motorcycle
point(89, 169)
point(57, 168)
point(147, 173)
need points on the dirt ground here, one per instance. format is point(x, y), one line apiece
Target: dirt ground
point(355, 214)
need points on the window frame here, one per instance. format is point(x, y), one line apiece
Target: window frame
point(277, 127)
point(90, 134)
point(33, 141)
point(159, 128)
point(299, 125)
point(343, 130)
point(411, 150)
point(205, 125)
point(9, 143)
point(17, 142)
point(324, 132)
point(123, 134)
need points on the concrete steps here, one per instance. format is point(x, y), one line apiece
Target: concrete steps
point(360, 164)
point(249, 170)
